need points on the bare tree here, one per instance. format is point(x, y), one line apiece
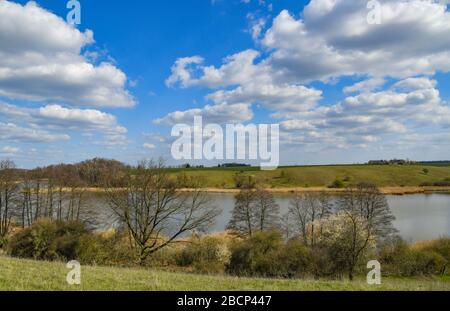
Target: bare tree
point(76, 194)
point(254, 210)
point(304, 210)
point(368, 202)
point(25, 199)
point(368, 218)
point(267, 211)
point(242, 219)
point(8, 196)
point(154, 211)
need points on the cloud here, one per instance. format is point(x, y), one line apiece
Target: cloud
point(256, 83)
point(9, 151)
point(155, 136)
point(55, 116)
point(274, 97)
point(256, 25)
point(365, 86)
point(334, 39)
point(149, 146)
point(238, 68)
point(181, 73)
point(371, 116)
point(43, 62)
point(48, 123)
point(412, 84)
point(12, 132)
point(221, 114)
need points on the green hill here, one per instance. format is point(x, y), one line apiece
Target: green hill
point(323, 176)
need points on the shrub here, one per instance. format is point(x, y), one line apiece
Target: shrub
point(337, 184)
point(254, 256)
point(403, 260)
point(322, 265)
point(443, 183)
point(205, 255)
point(439, 247)
point(165, 257)
point(67, 239)
point(116, 249)
point(265, 254)
point(428, 263)
point(21, 244)
point(295, 260)
point(47, 240)
point(396, 258)
point(92, 249)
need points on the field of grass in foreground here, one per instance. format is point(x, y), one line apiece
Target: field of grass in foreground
point(17, 274)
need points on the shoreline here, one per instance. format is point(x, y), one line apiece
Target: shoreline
point(384, 190)
point(286, 190)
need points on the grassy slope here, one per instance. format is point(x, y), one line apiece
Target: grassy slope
point(323, 176)
point(32, 275)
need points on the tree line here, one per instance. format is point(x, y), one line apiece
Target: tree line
point(145, 201)
point(55, 192)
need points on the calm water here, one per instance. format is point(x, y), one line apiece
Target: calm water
point(419, 216)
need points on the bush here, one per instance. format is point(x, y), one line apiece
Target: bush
point(265, 254)
point(403, 260)
point(337, 184)
point(439, 247)
point(322, 265)
point(110, 248)
point(254, 256)
point(21, 244)
point(205, 255)
point(443, 183)
point(428, 263)
point(92, 249)
point(47, 240)
point(295, 260)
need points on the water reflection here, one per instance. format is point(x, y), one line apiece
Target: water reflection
point(419, 217)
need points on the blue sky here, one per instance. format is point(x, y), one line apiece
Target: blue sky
point(296, 66)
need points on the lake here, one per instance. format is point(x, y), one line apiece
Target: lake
point(419, 216)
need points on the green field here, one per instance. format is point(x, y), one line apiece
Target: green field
point(323, 176)
point(21, 275)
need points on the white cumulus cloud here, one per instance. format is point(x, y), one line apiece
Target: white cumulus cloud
point(42, 62)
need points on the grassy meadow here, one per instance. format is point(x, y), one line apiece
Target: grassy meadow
point(20, 275)
point(323, 176)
